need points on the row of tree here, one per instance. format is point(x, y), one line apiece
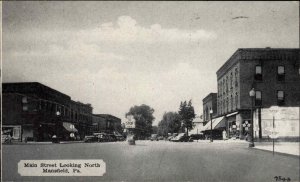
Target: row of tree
point(176, 122)
point(172, 122)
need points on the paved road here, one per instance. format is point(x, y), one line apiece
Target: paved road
point(159, 161)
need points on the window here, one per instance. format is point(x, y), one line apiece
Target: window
point(236, 100)
point(231, 80)
point(280, 73)
point(257, 98)
point(258, 72)
point(280, 97)
point(236, 77)
point(231, 103)
point(226, 85)
point(25, 103)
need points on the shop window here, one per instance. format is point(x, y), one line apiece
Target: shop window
point(258, 72)
point(280, 73)
point(280, 97)
point(258, 99)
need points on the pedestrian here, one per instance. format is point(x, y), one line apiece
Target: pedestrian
point(224, 134)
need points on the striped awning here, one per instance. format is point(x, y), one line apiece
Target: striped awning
point(69, 127)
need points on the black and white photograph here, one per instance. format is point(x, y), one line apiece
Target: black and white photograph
point(162, 91)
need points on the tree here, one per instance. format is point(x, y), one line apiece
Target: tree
point(143, 116)
point(187, 114)
point(170, 123)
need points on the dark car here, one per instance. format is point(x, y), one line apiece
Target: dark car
point(90, 138)
point(102, 137)
point(120, 138)
point(112, 138)
point(198, 136)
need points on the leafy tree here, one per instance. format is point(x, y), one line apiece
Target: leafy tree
point(143, 116)
point(187, 114)
point(170, 123)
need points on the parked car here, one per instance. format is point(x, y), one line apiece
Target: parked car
point(120, 138)
point(182, 137)
point(102, 137)
point(198, 136)
point(160, 138)
point(112, 138)
point(172, 136)
point(154, 137)
point(90, 138)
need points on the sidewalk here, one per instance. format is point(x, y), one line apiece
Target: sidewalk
point(291, 148)
point(40, 143)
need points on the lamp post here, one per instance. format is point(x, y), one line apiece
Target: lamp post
point(252, 94)
point(211, 134)
point(57, 124)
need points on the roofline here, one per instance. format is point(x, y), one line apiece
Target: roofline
point(239, 50)
point(37, 83)
point(210, 94)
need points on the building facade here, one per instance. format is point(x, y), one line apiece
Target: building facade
point(273, 73)
point(209, 103)
point(107, 123)
point(33, 111)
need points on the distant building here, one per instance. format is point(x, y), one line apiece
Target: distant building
point(209, 103)
point(106, 123)
point(33, 111)
point(275, 76)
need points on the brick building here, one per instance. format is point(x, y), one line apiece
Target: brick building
point(33, 111)
point(273, 73)
point(106, 123)
point(209, 103)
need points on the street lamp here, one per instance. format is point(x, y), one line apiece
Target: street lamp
point(211, 135)
point(252, 94)
point(57, 124)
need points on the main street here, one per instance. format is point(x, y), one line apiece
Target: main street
point(159, 161)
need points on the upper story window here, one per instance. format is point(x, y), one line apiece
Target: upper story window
point(226, 84)
point(280, 97)
point(258, 72)
point(280, 73)
point(25, 103)
point(236, 100)
point(258, 99)
point(236, 77)
point(231, 80)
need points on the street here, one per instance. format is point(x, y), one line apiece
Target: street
point(159, 161)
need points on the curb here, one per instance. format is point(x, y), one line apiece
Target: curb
point(41, 143)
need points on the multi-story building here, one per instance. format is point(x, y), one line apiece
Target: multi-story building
point(209, 103)
point(107, 123)
point(273, 73)
point(33, 111)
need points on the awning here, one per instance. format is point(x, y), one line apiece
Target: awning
point(69, 127)
point(234, 113)
point(216, 123)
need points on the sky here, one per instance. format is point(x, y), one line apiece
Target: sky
point(115, 55)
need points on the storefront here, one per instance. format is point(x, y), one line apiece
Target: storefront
point(12, 131)
point(218, 125)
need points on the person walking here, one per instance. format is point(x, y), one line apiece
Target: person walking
point(224, 134)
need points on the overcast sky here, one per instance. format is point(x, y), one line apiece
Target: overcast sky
point(115, 55)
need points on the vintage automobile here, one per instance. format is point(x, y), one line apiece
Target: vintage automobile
point(182, 137)
point(154, 137)
point(198, 136)
point(90, 138)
